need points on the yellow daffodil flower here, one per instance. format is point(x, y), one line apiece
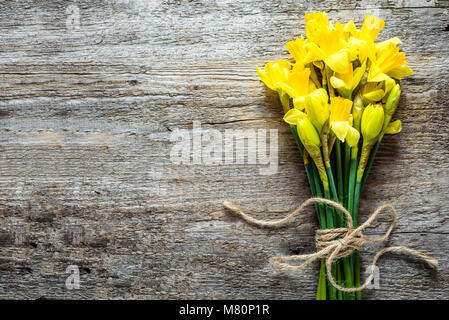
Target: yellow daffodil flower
point(317, 108)
point(389, 63)
point(346, 83)
point(361, 43)
point(340, 121)
point(274, 73)
point(388, 58)
point(326, 43)
point(298, 86)
point(329, 48)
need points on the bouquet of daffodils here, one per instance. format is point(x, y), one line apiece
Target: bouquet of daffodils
point(339, 96)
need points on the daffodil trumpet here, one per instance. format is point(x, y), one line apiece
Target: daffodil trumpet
point(339, 95)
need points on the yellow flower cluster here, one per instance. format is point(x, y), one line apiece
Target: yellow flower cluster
point(341, 89)
point(335, 65)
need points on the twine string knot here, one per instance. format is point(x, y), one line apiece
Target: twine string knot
point(334, 243)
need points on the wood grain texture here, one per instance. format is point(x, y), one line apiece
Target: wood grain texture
point(86, 117)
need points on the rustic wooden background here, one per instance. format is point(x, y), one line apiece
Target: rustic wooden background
point(86, 116)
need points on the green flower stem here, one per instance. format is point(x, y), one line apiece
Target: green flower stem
point(347, 163)
point(356, 253)
point(365, 154)
point(339, 216)
point(347, 266)
point(321, 292)
point(330, 225)
point(319, 193)
point(356, 200)
point(342, 196)
point(339, 172)
point(352, 181)
point(370, 162)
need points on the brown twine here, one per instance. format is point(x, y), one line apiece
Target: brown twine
point(335, 243)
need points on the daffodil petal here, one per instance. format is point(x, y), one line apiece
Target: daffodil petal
point(350, 27)
point(292, 116)
point(375, 74)
point(394, 40)
point(338, 62)
point(265, 78)
point(340, 128)
point(314, 53)
point(352, 137)
point(400, 72)
point(371, 26)
point(358, 74)
point(286, 88)
point(394, 127)
point(375, 95)
point(299, 103)
point(312, 86)
point(389, 84)
point(337, 83)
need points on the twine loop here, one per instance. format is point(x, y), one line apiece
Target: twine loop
point(334, 243)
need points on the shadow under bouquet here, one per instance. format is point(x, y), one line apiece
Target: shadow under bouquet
point(339, 96)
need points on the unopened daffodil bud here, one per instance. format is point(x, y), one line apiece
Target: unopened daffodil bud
point(317, 108)
point(307, 133)
point(393, 100)
point(372, 122)
point(391, 105)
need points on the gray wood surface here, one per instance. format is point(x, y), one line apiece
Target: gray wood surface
point(86, 116)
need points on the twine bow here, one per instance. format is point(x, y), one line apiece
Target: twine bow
point(335, 243)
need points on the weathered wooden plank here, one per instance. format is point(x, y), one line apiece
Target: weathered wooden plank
point(86, 117)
